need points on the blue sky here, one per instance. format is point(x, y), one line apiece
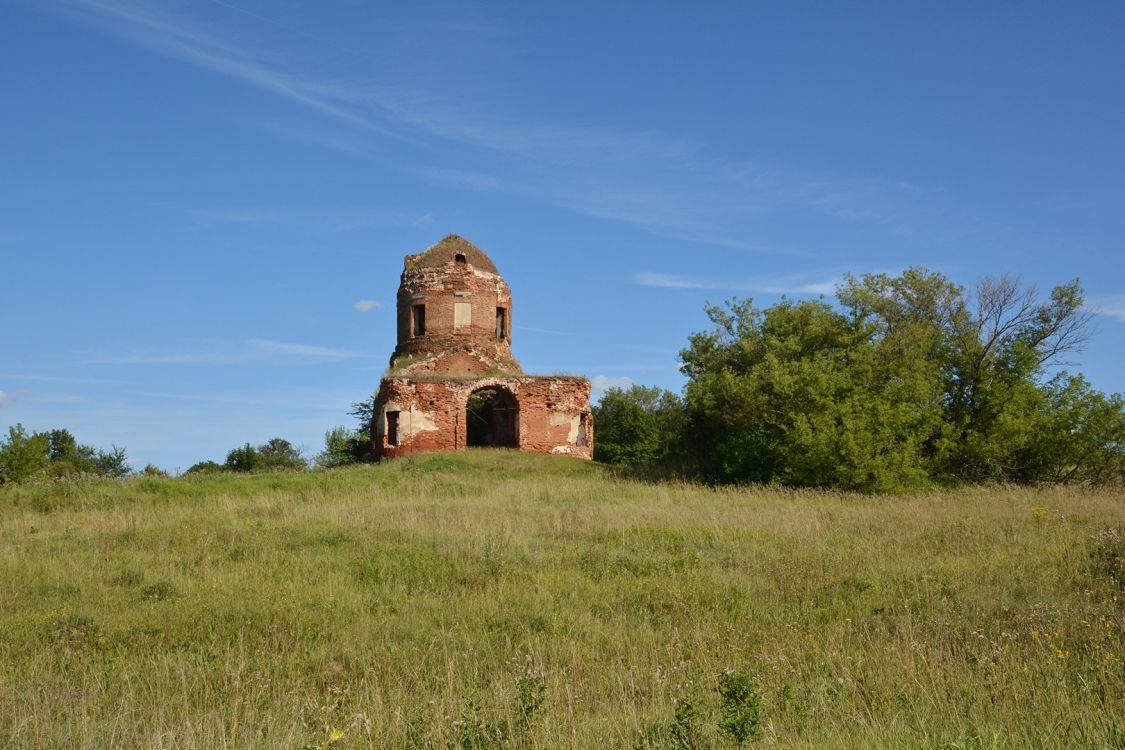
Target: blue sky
point(205, 205)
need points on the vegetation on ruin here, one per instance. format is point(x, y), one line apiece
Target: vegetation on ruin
point(498, 599)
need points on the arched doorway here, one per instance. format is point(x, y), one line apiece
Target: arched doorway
point(492, 418)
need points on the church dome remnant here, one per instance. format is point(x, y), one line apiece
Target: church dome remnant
point(453, 381)
point(454, 313)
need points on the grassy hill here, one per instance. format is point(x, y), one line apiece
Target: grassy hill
point(495, 599)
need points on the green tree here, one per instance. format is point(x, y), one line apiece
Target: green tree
point(274, 454)
point(23, 456)
point(908, 378)
point(995, 391)
point(278, 453)
point(1079, 435)
point(68, 456)
point(113, 463)
point(802, 394)
point(243, 458)
point(205, 467)
point(340, 448)
point(637, 425)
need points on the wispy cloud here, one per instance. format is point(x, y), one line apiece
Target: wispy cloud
point(548, 331)
point(173, 38)
point(777, 285)
point(658, 181)
point(1112, 306)
point(301, 350)
point(252, 351)
point(461, 178)
point(319, 219)
point(62, 379)
point(599, 384)
point(298, 401)
point(24, 396)
point(367, 305)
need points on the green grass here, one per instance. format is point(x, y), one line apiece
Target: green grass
point(496, 599)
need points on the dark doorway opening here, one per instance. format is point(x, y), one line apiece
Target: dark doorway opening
point(492, 418)
point(392, 428)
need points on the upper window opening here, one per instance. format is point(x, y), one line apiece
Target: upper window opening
point(418, 320)
point(459, 258)
point(501, 324)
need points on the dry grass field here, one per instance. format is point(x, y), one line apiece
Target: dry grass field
point(493, 599)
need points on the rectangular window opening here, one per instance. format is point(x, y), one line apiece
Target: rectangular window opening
point(418, 320)
point(392, 428)
point(583, 428)
point(501, 324)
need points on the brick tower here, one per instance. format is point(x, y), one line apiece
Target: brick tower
point(453, 381)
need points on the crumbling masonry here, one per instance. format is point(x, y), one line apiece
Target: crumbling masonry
point(453, 381)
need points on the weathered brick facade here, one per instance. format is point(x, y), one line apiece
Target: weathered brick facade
point(453, 381)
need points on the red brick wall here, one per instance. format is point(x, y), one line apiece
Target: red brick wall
point(553, 414)
point(440, 289)
point(431, 375)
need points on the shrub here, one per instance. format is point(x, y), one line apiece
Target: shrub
point(637, 425)
point(740, 710)
point(23, 456)
point(205, 467)
point(276, 453)
point(56, 453)
point(343, 447)
point(159, 591)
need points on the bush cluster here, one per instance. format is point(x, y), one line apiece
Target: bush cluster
point(273, 455)
point(904, 381)
point(55, 453)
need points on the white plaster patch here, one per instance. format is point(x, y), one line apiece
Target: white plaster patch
point(411, 422)
point(462, 314)
point(558, 419)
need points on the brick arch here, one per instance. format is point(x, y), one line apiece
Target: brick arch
point(492, 417)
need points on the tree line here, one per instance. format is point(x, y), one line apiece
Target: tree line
point(56, 454)
point(904, 382)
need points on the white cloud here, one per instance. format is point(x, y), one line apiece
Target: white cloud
point(300, 400)
point(367, 305)
point(1111, 306)
point(3, 398)
point(169, 37)
point(599, 384)
point(462, 178)
point(301, 350)
point(549, 331)
point(776, 285)
point(657, 181)
point(62, 379)
point(252, 351)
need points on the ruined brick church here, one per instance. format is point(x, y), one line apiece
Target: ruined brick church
point(453, 381)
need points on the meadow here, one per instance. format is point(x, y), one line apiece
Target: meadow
point(497, 599)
